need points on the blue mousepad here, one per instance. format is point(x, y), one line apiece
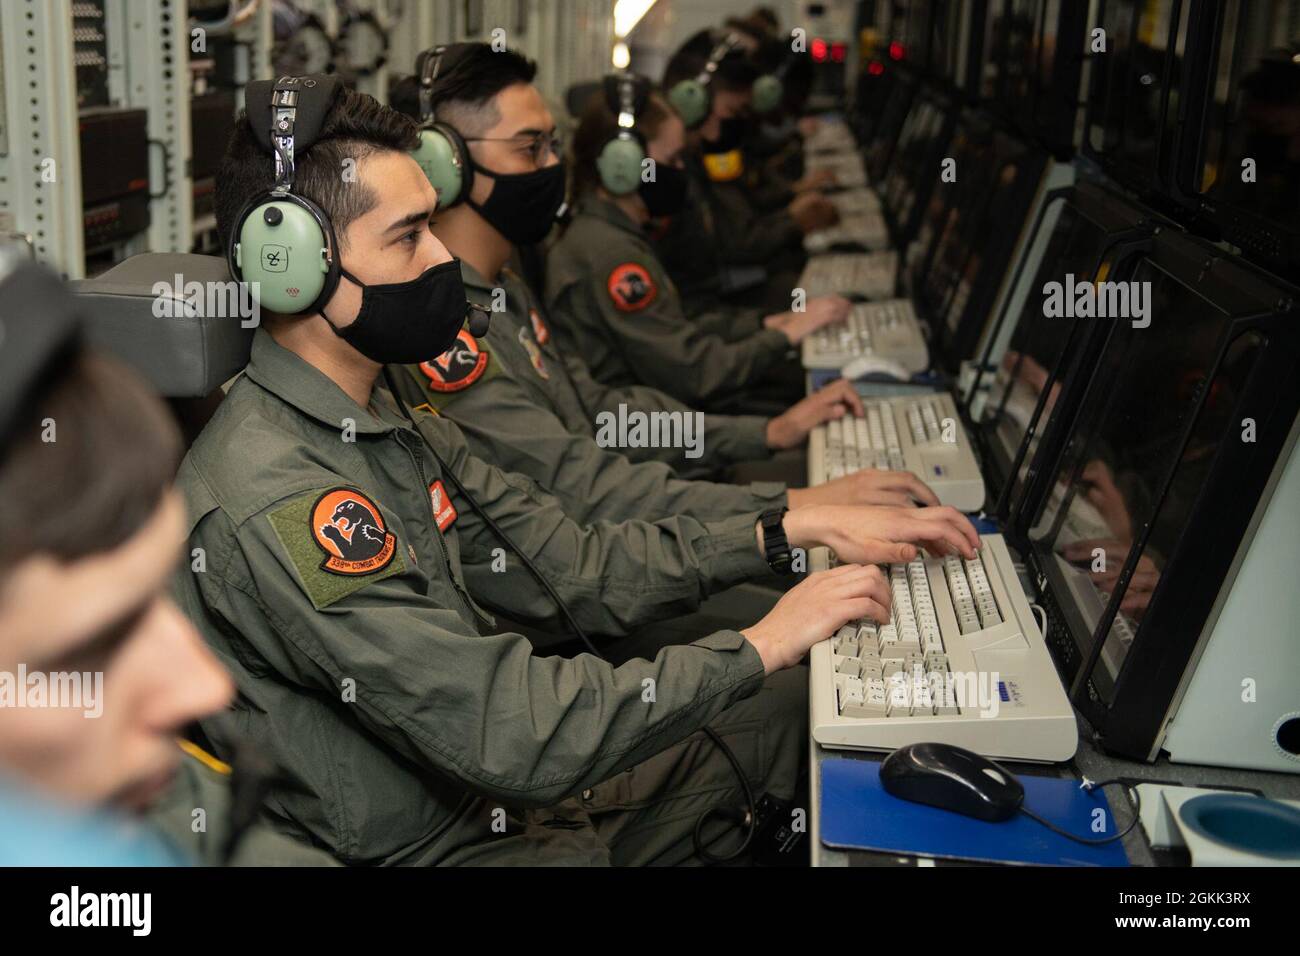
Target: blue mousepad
point(856, 813)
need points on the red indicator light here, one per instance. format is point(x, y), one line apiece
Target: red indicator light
point(837, 52)
point(819, 50)
point(875, 68)
point(896, 51)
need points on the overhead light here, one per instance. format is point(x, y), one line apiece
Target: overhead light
point(621, 57)
point(628, 13)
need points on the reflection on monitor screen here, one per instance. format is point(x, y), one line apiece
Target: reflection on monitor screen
point(1124, 446)
point(1254, 112)
point(1128, 92)
point(1032, 361)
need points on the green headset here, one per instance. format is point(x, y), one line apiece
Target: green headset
point(620, 158)
point(769, 89)
point(282, 241)
point(442, 153)
point(693, 98)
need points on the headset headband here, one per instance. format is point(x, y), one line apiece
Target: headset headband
point(284, 113)
point(622, 99)
point(717, 55)
point(430, 66)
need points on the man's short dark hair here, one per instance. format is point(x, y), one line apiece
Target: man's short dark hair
point(356, 127)
point(92, 488)
point(468, 81)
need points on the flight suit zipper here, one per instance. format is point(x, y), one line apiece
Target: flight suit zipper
point(417, 460)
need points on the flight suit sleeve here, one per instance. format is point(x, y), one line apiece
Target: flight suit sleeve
point(727, 322)
point(502, 425)
point(729, 438)
point(613, 577)
point(667, 350)
point(478, 708)
point(747, 237)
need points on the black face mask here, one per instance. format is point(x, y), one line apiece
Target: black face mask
point(666, 193)
point(522, 206)
point(730, 134)
point(408, 322)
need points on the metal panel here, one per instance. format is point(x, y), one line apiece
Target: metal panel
point(40, 185)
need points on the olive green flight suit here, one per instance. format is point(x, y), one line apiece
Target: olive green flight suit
point(332, 572)
point(203, 784)
point(528, 410)
point(615, 306)
point(721, 219)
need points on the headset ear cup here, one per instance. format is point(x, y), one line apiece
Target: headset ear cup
point(281, 244)
point(444, 157)
point(619, 164)
point(769, 91)
point(690, 98)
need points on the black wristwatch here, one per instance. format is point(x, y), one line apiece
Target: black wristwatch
point(776, 547)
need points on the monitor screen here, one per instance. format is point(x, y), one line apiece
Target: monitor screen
point(1031, 375)
point(893, 115)
point(963, 247)
point(1016, 55)
point(1134, 90)
point(952, 200)
point(923, 126)
point(1113, 480)
point(945, 44)
point(1249, 157)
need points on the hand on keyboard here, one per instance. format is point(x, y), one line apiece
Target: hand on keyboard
point(790, 429)
point(881, 535)
point(815, 179)
point(870, 486)
point(815, 607)
point(820, 312)
point(812, 211)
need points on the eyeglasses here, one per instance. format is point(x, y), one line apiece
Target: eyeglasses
point(538, 145)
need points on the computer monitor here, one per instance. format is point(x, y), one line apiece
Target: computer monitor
point(1056, 118)
point(970, 155)
point(956, 46)
point(1178, 434)
point(973, 251)
point(1089, 237)
point(1134, 92)
point(1242, 163)
point(893, 114)
point(915, 166)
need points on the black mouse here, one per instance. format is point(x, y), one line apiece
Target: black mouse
point(952, 778)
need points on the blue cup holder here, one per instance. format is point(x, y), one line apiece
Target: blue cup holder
point(1249, 824)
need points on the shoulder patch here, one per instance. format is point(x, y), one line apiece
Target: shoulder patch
point(459, 367)
point(631, 287)
point(338, 542)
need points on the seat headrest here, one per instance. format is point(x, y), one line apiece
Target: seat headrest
point(178, 319)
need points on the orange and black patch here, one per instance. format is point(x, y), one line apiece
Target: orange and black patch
point(444, 512)
point(457, 368)
point(631, 287)
point(348, 527)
